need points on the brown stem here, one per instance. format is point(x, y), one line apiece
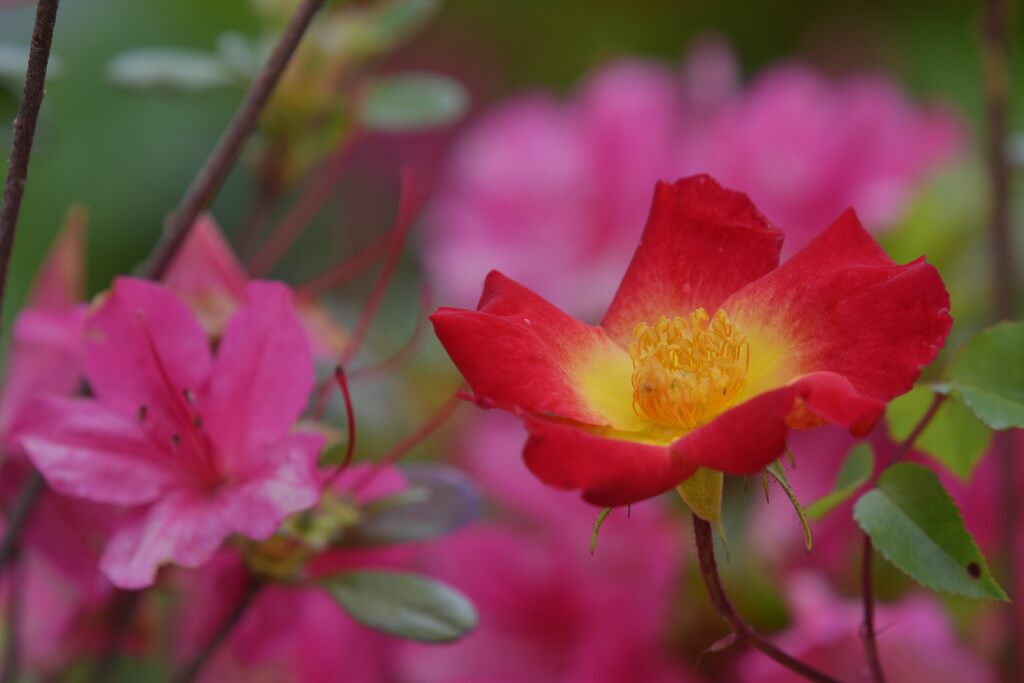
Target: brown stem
point(205, 185)
point(995, 59)
point(870, 641)
point(867, 583)
point(12, 646)
point(20, 514)
point(995, 48)
point(194, 666)
point(743, 631)
point(124, 605)
point(25, 132)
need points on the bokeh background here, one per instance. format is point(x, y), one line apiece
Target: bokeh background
point(127, 156)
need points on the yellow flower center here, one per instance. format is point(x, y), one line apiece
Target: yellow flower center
point(687, 371)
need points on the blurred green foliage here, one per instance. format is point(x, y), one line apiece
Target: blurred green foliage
point(128, 156)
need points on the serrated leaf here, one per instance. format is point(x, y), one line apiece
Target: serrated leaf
point(955, 436)
point(854, 473)
point(413, 101)
point(402, 604)
point(170, 69)
point(989, 374)
point(440, 499)
point(915, 525)
point(775, 469)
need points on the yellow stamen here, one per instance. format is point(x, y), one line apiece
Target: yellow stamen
point(687, 371)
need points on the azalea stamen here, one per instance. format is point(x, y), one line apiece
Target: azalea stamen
point(686, 371)
point(180, 404)
point(350, 447)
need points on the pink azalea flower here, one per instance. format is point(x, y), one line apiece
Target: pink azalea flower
point(549, 610)
point(209, 278)
point(293, 634)
point(916, 640)
point(804, 148)
point(539, 185)
point(200, 445)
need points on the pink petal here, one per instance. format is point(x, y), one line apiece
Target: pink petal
point(280, 479)
point(207, 276)
point(262, 377)
point(86, 450)
point(185, 528)
point(143, 351)
point(45, 358)
point(60, 282)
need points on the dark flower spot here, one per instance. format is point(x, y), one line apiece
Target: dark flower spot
point(143, 412)
point(974, 569)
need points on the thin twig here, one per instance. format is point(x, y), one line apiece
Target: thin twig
point(868, 591)
point(867, 583)
point(25, 133)
point(205, 185)
point(20, 514)
point(304, 210)
point(995, 47)
point(124, 605)
point(12, 646)
point(744, 631)
point(194, 666)
point(345, 271)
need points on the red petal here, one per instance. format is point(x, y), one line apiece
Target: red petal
point(844, 306)
point(744, 439)
point(518, 351)
point(609, 471)
point(701, 244)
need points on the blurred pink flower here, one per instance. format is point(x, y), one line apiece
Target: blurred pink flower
point(549, 611)
point(916, 640)
point(200, 445)
point(538, 186)
point(293, 634)
point(210, 279)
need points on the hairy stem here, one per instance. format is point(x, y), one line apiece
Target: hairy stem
point(25, 133)
point(743, 631)
point(190, 671)
point(210, 177)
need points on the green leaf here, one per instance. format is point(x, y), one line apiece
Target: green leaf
point(854, 473)
point(598, 523)
point(775, 469)
point(402, 604)
point(989, 373)
point(410, 102)
point(955, 436)
point(170, 69)
point(702, 492)
point(439, 500)
point(916, 526)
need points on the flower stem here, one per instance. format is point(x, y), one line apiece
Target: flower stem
point(995, 48)
point(12, 645)
point(868, 633)
point(25, 132)
point(210, 177)
point(124, 605)
point(19, 516)
point(867, 583)
point(190, 671)
point(743, 631)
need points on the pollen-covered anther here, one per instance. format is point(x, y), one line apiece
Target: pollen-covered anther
point(686, 371)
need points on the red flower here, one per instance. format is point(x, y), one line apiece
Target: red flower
point(710, 352)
